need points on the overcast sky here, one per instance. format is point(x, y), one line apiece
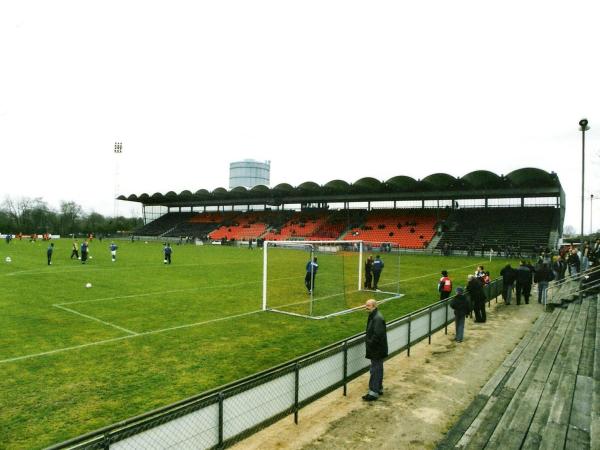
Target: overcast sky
point(323, 89)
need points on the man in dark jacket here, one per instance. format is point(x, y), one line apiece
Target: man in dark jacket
point(508, 282)
point(523, 285)
point(461, 307)
point(475, 290)
point(559, 268)
point(369, 272)
point(543, 277)
point(311, 272)
point(377, 267)
point(573, 262)
point(376, 349)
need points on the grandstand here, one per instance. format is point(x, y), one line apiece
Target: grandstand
point(527, 229)
point(523, 210)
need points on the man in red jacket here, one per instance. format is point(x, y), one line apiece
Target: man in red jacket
point(445, 286)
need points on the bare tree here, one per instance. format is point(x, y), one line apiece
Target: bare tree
point(17, 210)
point(69, 213)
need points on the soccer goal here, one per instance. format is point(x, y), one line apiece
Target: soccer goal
point(321, 279)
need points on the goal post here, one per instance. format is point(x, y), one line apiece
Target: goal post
point(319, 279)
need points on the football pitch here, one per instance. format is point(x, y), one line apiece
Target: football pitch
point(146, 334)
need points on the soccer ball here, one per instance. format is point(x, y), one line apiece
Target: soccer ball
point(91, 257)
point(8, 259)
point(88, 285)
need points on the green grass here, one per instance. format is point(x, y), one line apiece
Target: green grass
point(147, 334)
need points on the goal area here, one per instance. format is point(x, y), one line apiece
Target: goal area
point(321, 279)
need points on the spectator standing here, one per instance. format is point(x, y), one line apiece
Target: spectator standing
point(508, 282)
point(585, 256)
point(445, 285)
point(559, 268)
point(486, 278)
point(377, 268)
point(369, 273)
point(523, 282)
point(113, 251)
point(475, 290)
point(573, 262)
point(543, 277)
point(461, 307)
point(596, 250)
point(376, 349)
point(49, 253)
point(480, 272)
point(311, 272)
point(167, 251)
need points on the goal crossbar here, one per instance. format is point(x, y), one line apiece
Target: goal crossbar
point(282, 296)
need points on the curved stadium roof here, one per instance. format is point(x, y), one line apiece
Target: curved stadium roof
point(479, 183)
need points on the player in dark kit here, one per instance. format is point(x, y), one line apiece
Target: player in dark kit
point(311, 273)
point(49, 253)
point(377, 267)
point(168, 251)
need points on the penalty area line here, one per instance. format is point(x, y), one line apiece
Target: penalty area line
point(133, 333)
point(122, 338)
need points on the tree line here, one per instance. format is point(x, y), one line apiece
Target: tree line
point(33, 215)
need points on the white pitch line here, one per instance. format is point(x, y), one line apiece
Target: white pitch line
point(173, 291)
point(121, 338)
point(91, 268)
point(435, 273)
point(96, 319)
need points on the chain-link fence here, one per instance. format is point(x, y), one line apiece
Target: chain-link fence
point(224, 416)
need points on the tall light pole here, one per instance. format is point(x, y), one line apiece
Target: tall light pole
point(118, 150)
point(591, 212)
point(583, 127)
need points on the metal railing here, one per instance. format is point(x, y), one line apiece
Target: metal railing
point(571, 286)
point(224, 416)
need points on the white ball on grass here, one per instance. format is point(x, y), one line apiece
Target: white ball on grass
point(88, 285)
point(8, 259)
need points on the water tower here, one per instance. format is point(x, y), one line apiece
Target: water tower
point(249, 173)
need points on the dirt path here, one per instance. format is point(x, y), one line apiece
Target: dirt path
point(424, 393)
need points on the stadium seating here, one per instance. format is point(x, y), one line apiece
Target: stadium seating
point(302, 225)
point(524, 229)
point(406, 228)
point(244, 226)
point(163, 224)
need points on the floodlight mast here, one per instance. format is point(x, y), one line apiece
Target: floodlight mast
point(583, 127)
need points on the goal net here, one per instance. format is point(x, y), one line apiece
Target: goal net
point(320, 279)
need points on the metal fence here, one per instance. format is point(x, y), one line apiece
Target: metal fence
point(224, 416)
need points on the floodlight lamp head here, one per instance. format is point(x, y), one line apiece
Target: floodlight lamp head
point(583, 123)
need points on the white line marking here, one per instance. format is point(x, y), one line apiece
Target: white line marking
point(96, 319)
point(173, 291)
point(90, 268)
point(106, 341)
point(130, 336)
